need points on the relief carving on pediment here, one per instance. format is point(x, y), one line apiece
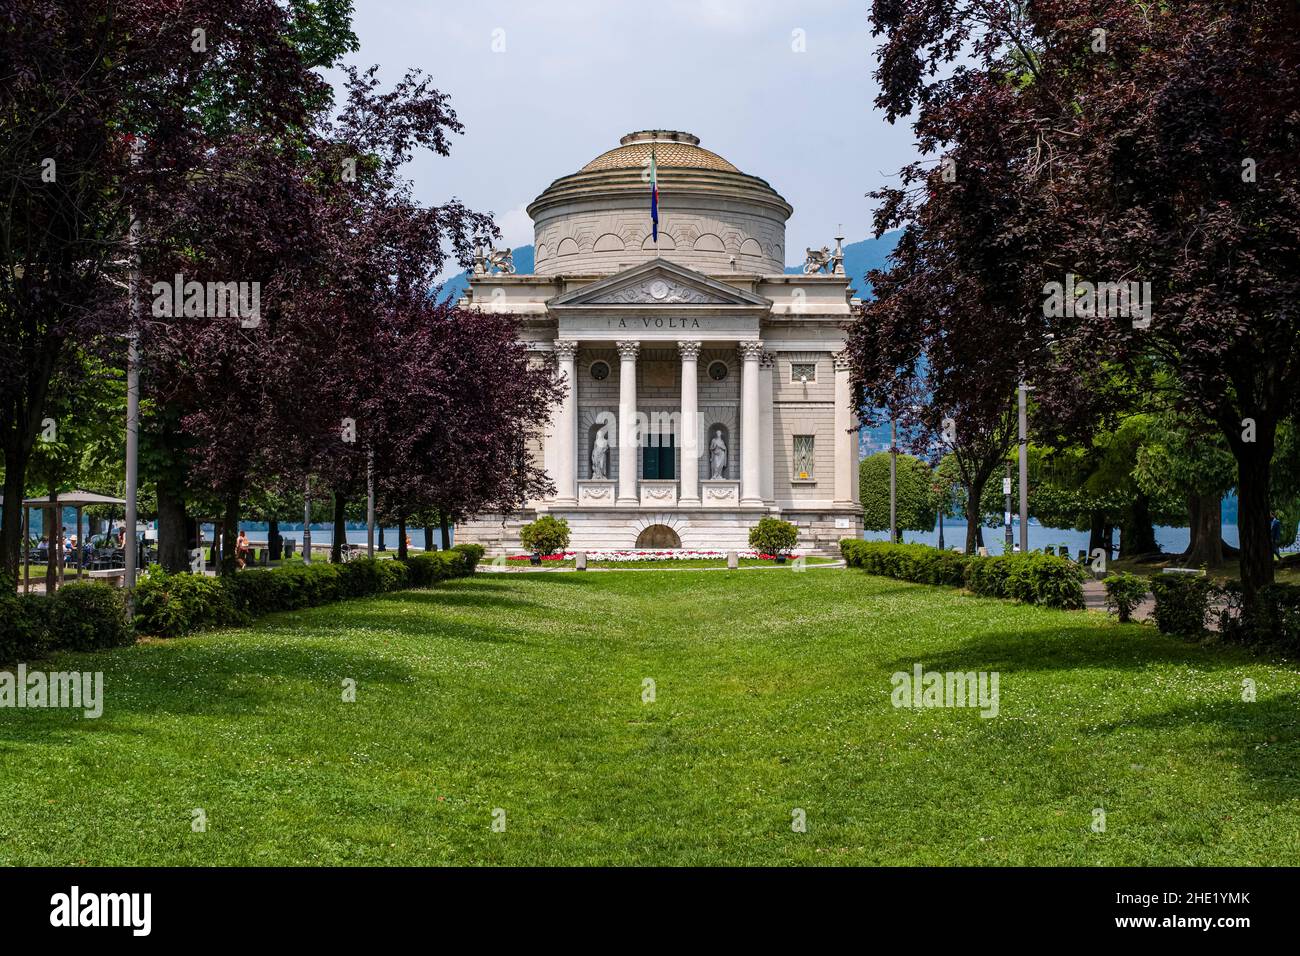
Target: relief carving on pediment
point(659, 291)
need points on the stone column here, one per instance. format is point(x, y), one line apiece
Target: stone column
point(566, 426)
point(627, 430)
point(767, 453)
point(689, 489)
point(750, 439)
point(846, 435)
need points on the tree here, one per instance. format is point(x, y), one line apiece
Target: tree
point(102, 102)
point(914, 491)
point(1158, 147)
point(1185, 458)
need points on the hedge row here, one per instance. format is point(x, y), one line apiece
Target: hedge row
point(170, 605)
point(1032, 578)
point(79, 617)
point(87, 617)
point(1185, 604)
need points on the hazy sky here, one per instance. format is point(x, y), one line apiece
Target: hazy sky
point(567, 78)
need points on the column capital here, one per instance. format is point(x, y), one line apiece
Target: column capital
point(566, 348)
point(750, 351)
point(690, 351)
point(627, 350)
point(843, 361)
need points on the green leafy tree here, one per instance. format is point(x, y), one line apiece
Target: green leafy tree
point(915, 493)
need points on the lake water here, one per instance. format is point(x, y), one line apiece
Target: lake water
point(1171, 540)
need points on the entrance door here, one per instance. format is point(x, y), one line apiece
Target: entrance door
point(658, 537)
point(658, 460)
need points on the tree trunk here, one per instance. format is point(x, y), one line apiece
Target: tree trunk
point(229, 536)
point(401, 538)
point(1254, 463)
point(1096, 531)
point(173, 530)
point(340, 529)
point(445, 527)
point(974, 529)
point(1205, 522)
point(274, 540)
point(11, 520)
point(1137, 536)
point(428, 537)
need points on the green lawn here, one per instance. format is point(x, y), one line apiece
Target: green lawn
point(524, 692)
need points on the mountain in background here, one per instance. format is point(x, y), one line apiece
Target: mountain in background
point(859, 259)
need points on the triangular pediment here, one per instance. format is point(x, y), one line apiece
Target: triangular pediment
point(659, 282)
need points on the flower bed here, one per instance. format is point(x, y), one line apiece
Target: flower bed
point(677, 554)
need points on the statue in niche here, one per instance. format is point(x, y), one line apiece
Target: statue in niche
point(600, 456)
point(717, 456)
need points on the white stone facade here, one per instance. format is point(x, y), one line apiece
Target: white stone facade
point(664, 348)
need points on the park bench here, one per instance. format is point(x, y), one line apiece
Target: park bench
point(113, 576)
point(1200, 572)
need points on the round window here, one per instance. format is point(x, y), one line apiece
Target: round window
point(717, 371)
point(600, 371)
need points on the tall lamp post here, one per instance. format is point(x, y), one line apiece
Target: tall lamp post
point(893, 481)
point(130, 546)
point(943, 506)
point(1021, 394)
point(1006, 493)
point(306, 521)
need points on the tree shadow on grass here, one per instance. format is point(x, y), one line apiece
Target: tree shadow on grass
point(1116, 647)
point(1263, 734)
point(201, 679)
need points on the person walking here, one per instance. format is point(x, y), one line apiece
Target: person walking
point(1275, 535)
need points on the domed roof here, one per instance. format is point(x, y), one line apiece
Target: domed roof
point(671, 148)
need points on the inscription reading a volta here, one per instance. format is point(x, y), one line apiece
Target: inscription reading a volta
point(657, 322)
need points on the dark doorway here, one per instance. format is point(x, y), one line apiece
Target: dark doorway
point(658, 536)
point(658, 460)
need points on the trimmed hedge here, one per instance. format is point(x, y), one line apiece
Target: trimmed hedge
point(1032, 578)
point(1182, 603)
point(1185, 605)
point(170, 605)
point(773, 536)
point(1124, 592)
point(473, 554)
point(79, 617)
point(1272, 622)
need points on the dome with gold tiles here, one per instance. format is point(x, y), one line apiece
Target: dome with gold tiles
point(713, 218)
point(671, 148)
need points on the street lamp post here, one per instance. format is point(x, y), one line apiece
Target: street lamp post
point(943, 505)
point(1006, 493)
point(893, 481)
point(130, 548)
point(306, 521)
point(1021, 393)
point(370, 504)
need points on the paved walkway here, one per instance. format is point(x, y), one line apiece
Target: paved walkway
point(1094, 598)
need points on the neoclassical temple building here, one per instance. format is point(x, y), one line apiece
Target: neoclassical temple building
point(706, 386)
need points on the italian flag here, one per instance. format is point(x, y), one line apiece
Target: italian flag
point(654, 197)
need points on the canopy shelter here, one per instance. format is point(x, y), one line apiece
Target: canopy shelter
point(54, 532)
